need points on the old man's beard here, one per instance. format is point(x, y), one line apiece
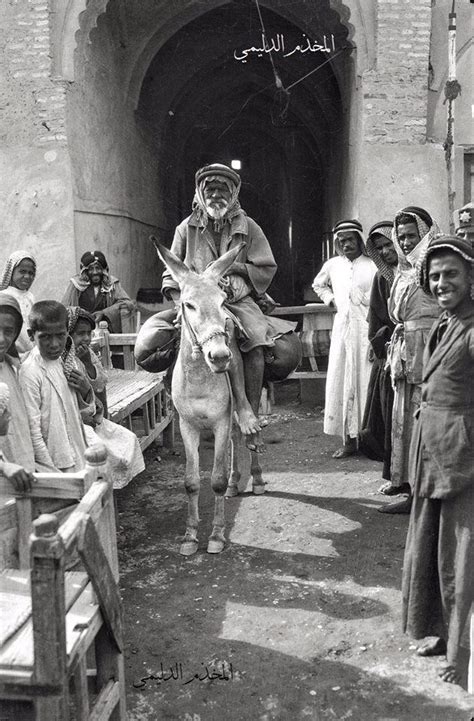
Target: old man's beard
point(217, 211)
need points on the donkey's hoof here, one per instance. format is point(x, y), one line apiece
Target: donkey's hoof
point(232, 492)
point(258, 489)
point(188, 548)
point(215, 545)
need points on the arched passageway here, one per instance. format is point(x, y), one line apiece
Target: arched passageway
point(138, 131)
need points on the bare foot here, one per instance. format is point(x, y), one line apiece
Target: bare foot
point(435, 647)
point(345, 451)
point(450, 674)
point(389, 489)
point(247, 421)
point(255, 443)
point(250, 429)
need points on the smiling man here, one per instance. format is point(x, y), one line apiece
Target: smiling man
point(344, 283)
point(438, 583)
point(96, 290)
point(414, 313)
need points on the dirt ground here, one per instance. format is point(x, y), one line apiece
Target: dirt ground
point(299, 616)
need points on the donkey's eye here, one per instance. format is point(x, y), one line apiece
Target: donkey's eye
point(190, 306)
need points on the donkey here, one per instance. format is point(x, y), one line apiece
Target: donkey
point(202, 392)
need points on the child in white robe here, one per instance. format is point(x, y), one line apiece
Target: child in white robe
point(53, 403)
point(125, 457)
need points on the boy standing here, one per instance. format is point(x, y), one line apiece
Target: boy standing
point(52, 404)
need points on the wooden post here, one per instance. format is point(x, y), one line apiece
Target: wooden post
point(49, 618)
point(96, 459)
point(449, 144)
point(24, 516)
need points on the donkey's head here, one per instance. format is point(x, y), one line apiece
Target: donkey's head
point(202, 306)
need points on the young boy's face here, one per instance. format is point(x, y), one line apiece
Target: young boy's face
point(82, 334)
point(8, 332)
point(50, 339)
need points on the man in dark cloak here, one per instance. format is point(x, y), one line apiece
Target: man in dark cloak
point(375, 436)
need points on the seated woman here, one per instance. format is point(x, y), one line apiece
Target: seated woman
point(98, 292)
point(124, 453)
point(18, 275)
point(17, 457)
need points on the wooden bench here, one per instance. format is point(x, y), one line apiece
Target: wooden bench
point(316, 326)
point(63, 628)
point(135, 398)
point(316, 317)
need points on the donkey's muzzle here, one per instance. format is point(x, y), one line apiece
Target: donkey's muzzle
point(219, 359)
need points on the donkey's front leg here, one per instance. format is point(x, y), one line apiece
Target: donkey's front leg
point(235, 475)
point(219, 480)
point(190, 436)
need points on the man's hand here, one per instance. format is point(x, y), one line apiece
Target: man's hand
point(84, 354)
point(238, 269)
point(80, 382)
point(174, 294)
point(19, 477)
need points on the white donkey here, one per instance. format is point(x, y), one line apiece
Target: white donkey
point(202, 392)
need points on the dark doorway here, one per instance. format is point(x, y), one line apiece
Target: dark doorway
point(209, 106)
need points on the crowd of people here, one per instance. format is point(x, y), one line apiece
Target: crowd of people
point(54, 381)
point(399, 381)
point(407, 401)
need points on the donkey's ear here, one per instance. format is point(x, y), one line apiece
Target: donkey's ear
point(176, 267)
point(217, 269)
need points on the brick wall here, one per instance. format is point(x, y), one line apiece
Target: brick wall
point(395, 92)
point(33, 104)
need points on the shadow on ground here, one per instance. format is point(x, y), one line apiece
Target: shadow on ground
point(297, 619)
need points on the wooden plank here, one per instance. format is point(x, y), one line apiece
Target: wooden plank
point(91, 501)
point(82, 625)
point(160, 428)
point(310, 308)
point(146, 417)
point(48, 606)
point(102, 579)
point(307, 374)
point(106, 701)
point(123, 407)
point(24, 512)
point(128, 358)
point(48, 485)
point(153, 411)
point(116, 339)
point(81, 690)
point(110, 665)
point(7, 510)
point(16, 653)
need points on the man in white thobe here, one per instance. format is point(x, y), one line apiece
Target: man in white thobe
point(344, 282)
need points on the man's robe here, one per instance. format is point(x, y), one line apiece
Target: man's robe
point(348, 284)
point(438, 579)
point(375, 438)
point(195, 246)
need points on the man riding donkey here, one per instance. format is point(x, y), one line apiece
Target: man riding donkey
point(217, 224)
